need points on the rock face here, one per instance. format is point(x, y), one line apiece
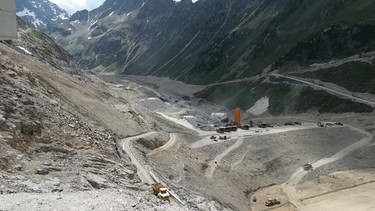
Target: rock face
point(59, 133)
point(45, 141)
point(80, 16)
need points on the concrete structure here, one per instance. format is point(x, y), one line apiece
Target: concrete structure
point(8, 20)
point(218, 117)
point(192, 120)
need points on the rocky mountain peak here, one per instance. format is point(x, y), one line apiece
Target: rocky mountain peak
point(40, 12)
point(82, 15)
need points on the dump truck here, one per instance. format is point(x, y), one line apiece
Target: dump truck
point(245, 127)
point(264, 124)
point(271, 202)
point(233, 128)
point(161, 191)
point(226, 129)
point(293, 122)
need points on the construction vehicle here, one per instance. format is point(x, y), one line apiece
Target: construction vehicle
point(264, 124)
point(226, 129)
point(220, 129)
point(271, 202)
point(292, 123)
point(245, 127)
point(329, 124)
point(161, 191)
point(307, 166)
point(223, 137)
point(233, 128)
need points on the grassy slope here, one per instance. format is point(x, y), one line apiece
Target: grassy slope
point(297, 25)
point(354, 76)
point(283, 98)
point(193, 45)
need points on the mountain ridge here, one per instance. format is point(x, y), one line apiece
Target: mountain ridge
point(40, 12)
point(217, 41)
point(200, 41)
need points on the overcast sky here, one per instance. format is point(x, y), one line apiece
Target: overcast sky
point(72, 6)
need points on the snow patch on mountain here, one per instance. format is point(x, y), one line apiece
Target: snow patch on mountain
point(40, 12)
point(30, 15)
point(260, 106)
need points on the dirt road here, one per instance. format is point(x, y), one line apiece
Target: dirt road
point(338, 93)
point(290, 186)
point(169, 144)
point(213, 164)
point(142, 172)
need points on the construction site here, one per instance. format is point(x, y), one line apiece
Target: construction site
point(250, 162)
point(145, 143)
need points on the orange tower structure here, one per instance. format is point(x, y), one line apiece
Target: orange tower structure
point(237, 116)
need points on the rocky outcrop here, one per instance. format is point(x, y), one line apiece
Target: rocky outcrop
point(47, 145)
point(80, 16)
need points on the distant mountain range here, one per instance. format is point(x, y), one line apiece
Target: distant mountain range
point(213, 41)
point(210, 41)
point(40, 12)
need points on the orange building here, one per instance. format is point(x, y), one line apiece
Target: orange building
point(237, 116)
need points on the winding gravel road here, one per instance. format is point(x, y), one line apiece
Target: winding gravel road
point(338, 93)
point(142, 172)
point(290, 186)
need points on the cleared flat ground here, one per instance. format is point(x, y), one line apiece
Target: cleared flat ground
point(340, 190)
point(359, 198)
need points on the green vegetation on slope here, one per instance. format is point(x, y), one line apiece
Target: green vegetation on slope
point(217, 41)
point(333, 42)
point(325, 103)
point(284, 98)
point(354, 76)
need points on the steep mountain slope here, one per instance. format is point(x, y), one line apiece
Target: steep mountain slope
point(64, 134)
point(217, 41)
point(40, 12)
point(37, 44)
point(48, 144)
point(61, 133)
point(207, 40)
